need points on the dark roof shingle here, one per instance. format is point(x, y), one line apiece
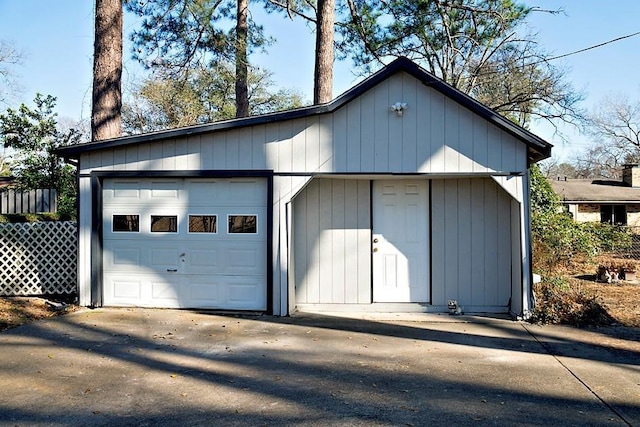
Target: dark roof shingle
point(597, 191)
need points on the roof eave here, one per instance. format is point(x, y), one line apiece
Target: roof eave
point(600, 202)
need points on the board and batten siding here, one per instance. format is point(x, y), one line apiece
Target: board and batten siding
point(435, 135)
point(331, 252)
point(471, 244)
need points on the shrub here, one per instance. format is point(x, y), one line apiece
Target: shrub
point(42, 217)
point(559, 303)
point(557, 238)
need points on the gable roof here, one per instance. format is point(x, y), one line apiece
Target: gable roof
point(538, 149)
point(595, 191)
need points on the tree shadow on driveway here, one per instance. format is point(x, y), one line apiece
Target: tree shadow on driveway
point(172, 367)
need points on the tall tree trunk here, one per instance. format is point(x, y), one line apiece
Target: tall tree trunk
point(106, 121)
point(323, 74)
point(242, 90)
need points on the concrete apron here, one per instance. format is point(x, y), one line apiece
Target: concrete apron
point(176, 367)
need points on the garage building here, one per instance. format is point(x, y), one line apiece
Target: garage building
point(400, 195)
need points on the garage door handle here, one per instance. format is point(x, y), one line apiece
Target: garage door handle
point(172, 270)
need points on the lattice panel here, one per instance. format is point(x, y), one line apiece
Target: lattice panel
point(38, 258)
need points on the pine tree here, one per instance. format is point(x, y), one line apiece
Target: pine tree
point(107, 71)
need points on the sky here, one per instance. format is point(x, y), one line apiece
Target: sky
point(56, 38)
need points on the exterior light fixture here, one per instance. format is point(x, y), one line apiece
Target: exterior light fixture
point(399, 107)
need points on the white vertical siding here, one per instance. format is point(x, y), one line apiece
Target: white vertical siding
point(338, 247)
point(181, 156)
point(232, 150)
point(516, 259)
point(410, 123)
point(332, 242)
point(324, 241)
point(168, 148)
point(245, 148)
point(465, 215)
point(452, 125)
point(434, 135)
point(284, 187)
point(219, 142)
point(258, 149)
point(325, 144)
point(471, 238)
point(339, 140)
point(144, 156)
point(84, 242)
point(119, 158)
point(395, 143)
point(435, 160)
point(352, 138)
point(379, 122)
point(155, 156)
point(206, 153)
point(366, 144)
point(466, 141)
point(194, 153)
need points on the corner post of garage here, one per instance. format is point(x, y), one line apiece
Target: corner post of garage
point(270, 247)
point(96, 240)
point(527, 248)
point(516, 184)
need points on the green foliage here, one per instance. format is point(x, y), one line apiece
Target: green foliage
point(180, 35)
point(480, 47)
point(609, 237)
point(207, 95)
point(42, 217)
point(543, 198)
point(34, 136)
point(557, 238)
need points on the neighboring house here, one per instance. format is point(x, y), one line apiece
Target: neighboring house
point(7, 181)
point(400, 195)
point(614, 202)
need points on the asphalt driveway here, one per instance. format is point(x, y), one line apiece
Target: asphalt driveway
point(172, 367)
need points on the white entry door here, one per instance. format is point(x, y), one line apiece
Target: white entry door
point(400, 241)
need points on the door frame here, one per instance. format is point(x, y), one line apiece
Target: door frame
point(97, 180)
point(429, 242)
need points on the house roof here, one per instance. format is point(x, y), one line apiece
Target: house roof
point(538, 149)
point(6, 181)
point(595, 191)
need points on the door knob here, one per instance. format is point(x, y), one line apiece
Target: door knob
point(375, 240)
point(375, 249)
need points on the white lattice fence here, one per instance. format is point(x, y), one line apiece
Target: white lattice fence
point(38, 258)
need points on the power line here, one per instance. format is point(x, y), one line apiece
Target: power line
point(566, 54)
point(590, 47)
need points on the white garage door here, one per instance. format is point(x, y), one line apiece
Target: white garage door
point(191, 243)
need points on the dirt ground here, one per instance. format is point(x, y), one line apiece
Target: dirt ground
point(621, 300)
point(15, 311)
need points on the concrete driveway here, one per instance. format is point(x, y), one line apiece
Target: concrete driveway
point(171, 367)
